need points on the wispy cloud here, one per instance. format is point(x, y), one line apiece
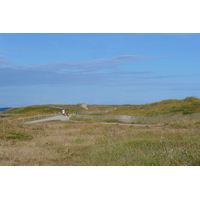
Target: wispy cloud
point(134, 57)
point(2, 57)
point(99, 71)
point(3, 50)
point(98, 64)
point(3, 61)
point(85, 66)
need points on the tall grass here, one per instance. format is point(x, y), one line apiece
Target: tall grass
point(84, 143)
point(92, 144)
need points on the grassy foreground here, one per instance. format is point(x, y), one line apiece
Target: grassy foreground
point(91, 144)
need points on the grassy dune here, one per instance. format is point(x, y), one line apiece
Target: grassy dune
point(42, 109)
point(174, 143)
point(188, 105)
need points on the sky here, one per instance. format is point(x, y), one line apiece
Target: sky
point(100, 52)
point(97, 68)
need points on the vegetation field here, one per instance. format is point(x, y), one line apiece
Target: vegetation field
point(85, 143)
point(92, 144)
point(42, 109)
point(188, 105)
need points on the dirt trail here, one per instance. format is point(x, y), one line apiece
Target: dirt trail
point(84, 106)
point(67, 118)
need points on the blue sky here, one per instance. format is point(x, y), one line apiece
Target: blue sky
point(97, 68)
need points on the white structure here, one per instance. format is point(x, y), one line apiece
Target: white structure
point(63, 112)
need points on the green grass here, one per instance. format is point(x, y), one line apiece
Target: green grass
point(74, 118)
point(42, 109)
point(188, 105)
point(146, 149)
point(174, 143)
point(18, 136)
point(167, 107)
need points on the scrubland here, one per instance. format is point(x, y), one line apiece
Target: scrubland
point(189, 105)
point(57, 143)
point(90, 143)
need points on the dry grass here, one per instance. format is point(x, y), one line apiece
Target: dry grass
point(91, 144)
point(40, 109)
point(188, 105)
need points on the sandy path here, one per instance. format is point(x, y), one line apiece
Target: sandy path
point(84, 106)
point(59, 117)
point(67, 118)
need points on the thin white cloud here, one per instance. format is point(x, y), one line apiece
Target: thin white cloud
point(95, 65)
point(3, 61)
point(3, 50)
point(94, 72)
point(2, 57)
point(84, 66)
point(134, 57)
